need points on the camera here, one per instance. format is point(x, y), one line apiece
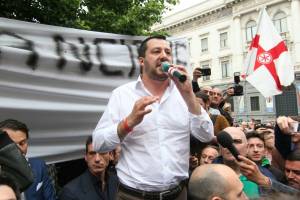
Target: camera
point(204, 71)
point(237, 88)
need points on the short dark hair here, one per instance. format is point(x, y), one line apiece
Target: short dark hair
point(255, 134)
point(88, 141)
point(294, 155)
point(4, 180)
point(203, 96)
point(143, 47)
point(14, 125)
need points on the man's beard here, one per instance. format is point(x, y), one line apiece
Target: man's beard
point(152, 74)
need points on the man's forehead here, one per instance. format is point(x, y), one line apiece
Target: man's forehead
point(255, 140)
point(12, 132)
point(236, 135)
point(293, 164)
point(217, 90)
point(206, 88)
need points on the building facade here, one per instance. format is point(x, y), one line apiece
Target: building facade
point(219, 33)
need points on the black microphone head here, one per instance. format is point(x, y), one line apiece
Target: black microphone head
point(226, 141)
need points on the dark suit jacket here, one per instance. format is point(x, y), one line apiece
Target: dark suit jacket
point(84, 188)
point(42, 188)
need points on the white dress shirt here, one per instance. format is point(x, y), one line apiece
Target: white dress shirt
point(155, 155)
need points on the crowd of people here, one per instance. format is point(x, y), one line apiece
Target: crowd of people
point(158, 139)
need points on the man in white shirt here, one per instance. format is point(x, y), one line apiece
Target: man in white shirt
point(152, 119)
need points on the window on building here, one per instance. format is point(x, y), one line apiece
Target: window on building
point(225, 68)
point(223, 40)
point(205, 78)
point(280, 22)
point(254, 102)
point(204, 44)
point(250, 30)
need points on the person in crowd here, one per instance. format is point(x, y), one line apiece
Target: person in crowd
point(228, 109)
point(152, 119)
point(114, 157)
point(218, 102)
point(244, 126)
point(251, 189)
point(8, 189)
point(196, 75)
point(217, 99)
point(96, 182)
point(252, 124)
point(267, 186)
point(219, 121)
point(254, 181)
point(292, 169)
point(215, 182)
point(13, 164)
point(42, 187)
point(256, 153)
point(208, 154)
point(272, 154)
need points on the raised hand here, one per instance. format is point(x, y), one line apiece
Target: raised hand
point(136, 116)
point(249, 169)
point(186, 91)
point(196, 74)
point(284, 123)
point(139, 110)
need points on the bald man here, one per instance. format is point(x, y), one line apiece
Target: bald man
point(215, 182)
point(249, 173)
point(240, 142)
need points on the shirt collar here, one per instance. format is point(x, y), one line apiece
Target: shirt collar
point(140, 85)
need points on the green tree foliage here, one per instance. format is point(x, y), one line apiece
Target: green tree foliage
point(132, 17)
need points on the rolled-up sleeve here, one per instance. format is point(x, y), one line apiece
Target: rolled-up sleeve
point(201, 126)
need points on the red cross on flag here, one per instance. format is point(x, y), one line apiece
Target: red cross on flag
point(268, 65)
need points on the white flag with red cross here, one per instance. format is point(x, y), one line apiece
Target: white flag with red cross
point(268, 66)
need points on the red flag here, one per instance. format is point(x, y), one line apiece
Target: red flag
point(268, 65)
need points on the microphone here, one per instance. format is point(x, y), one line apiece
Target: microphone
point(166, 67)
point(226, 141)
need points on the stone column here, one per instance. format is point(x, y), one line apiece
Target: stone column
point(237, 45)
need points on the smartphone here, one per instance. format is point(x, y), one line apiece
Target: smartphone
point(205, 71)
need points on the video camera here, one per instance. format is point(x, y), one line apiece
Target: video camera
point(237, 88)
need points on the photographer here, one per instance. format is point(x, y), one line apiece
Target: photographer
point(217, 96)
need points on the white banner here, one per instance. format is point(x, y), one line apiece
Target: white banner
point(58, 80)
